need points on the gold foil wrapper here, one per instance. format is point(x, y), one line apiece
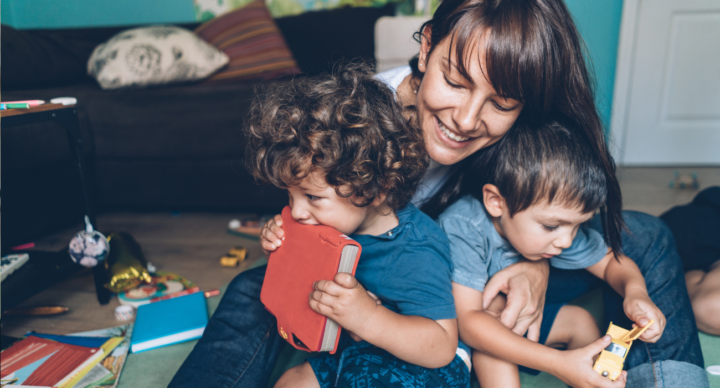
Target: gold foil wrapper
point(126, 263)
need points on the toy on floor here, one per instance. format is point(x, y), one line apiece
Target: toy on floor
point(248, 227)
point(610, 362)
point(684, 181)
point(234, 257)
point(10, 263)
point(89, 247)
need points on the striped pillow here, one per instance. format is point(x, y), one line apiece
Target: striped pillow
point(253, 42)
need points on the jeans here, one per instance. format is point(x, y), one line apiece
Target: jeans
point(241, 343)
point(651, 245)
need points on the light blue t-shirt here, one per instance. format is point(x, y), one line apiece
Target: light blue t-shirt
point(478, 251)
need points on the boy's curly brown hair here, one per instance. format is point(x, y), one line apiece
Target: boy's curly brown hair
point(346, 124)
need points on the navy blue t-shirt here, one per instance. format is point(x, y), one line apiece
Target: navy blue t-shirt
point(409, 268)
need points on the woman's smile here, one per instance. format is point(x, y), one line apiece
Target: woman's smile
point(452, 136)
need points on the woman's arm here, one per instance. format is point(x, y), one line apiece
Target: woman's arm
point(525, 284)
point(485, 333)
point(624, 276)
point(417, 340)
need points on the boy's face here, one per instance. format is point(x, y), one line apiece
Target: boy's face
point(314, 202)
point(539, 232)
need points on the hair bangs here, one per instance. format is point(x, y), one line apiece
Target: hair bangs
point(519, 55)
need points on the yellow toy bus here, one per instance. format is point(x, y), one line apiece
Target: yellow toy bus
point(611, 360)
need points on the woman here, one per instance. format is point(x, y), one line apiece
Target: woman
point(482, 67)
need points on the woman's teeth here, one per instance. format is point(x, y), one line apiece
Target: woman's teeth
point(452, 135)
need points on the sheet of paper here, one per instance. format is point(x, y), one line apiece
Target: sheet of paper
point(97, 374)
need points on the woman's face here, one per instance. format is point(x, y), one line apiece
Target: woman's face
point(459, 116)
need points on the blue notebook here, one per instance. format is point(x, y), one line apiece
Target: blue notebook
point(169, 322)
point(88, 342)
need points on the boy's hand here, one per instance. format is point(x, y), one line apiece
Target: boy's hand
point(345, 301)
point(575, 367)
point(640, 309)
point(271, 235)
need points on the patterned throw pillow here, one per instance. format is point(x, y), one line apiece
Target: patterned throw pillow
point(253, 42)
point(153, 56)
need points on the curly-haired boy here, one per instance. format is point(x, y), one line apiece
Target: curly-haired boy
point(348, 157)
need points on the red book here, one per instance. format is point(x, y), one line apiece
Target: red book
point(309, 253)
point(64, 359)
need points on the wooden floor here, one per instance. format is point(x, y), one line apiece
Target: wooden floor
point(190, 244)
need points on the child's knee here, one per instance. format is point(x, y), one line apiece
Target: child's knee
point(298, 376)
point(706, 307)
point(573, 327)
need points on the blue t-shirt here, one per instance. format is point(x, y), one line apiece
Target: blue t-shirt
point(409, 267)
point(478, 251)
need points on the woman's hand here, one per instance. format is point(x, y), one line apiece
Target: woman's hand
point(271, 235)
point(640, 309)
point(525, 284)
point(575, 367)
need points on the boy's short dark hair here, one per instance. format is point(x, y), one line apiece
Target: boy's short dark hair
point(543, 164)
point(547, 163)
point(346, 124)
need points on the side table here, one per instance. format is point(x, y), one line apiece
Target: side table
point(65, 116)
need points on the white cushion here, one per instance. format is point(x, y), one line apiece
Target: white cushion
point(153, 56)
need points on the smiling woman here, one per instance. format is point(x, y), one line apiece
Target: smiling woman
point(483, 67)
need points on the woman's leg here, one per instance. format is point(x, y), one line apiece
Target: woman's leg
point(704, 290)
point(240, 345)
point(676, 359)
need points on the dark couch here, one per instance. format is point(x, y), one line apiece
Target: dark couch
point(178, 147)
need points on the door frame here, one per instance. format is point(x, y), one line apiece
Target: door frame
point(623, 71)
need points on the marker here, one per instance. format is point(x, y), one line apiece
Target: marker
point(23, 246)
point(31, 102)
point(23, 105)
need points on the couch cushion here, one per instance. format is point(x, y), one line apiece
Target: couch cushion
point(153, 56)
point(253, 42)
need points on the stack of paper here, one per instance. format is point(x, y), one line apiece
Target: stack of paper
point(83, 360)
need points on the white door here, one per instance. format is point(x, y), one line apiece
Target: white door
point(666, 108)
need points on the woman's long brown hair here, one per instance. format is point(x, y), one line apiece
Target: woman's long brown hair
point(535, 55)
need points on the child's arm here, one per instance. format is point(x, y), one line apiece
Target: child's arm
point(524, 283)
point(624, 276)
point(483, 332)
point(415, 339)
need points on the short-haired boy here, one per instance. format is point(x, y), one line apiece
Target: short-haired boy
point(530, 196)
point(348, 158)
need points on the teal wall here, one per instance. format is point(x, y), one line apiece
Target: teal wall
point(598, 21)
point(599, 24)
point(24, 14)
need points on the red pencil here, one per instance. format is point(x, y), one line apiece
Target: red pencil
point(188, 291)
